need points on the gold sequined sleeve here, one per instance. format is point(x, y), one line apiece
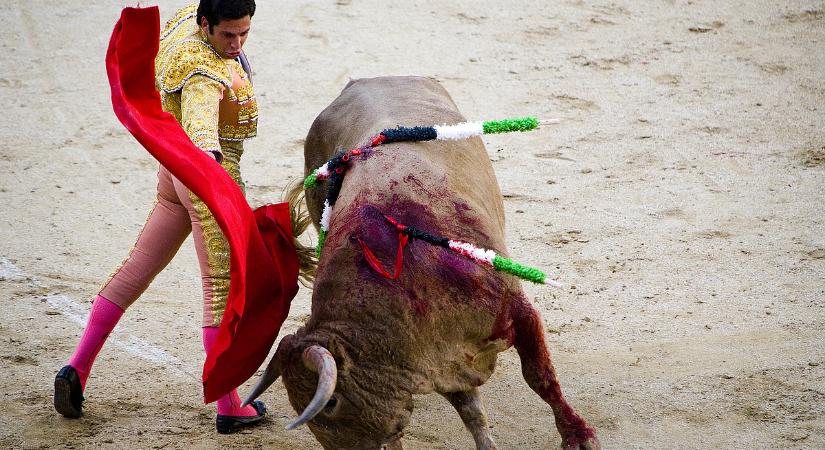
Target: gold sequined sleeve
point(200, 100)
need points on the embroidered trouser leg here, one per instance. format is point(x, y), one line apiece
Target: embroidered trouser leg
point(165, 230)
point(213, 256)
point(176, 213)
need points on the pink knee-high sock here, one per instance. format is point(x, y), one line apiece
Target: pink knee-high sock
point(102, 321)
point(229, 404)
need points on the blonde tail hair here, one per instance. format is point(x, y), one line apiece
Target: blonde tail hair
point(300, 220)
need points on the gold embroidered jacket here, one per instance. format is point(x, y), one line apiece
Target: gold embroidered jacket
point(211, 97)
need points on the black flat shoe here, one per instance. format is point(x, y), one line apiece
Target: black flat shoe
point(231, 424)
point(68, 394)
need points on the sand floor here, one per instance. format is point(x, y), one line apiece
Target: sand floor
point(680, 200)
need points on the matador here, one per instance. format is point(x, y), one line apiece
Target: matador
point(205, 82)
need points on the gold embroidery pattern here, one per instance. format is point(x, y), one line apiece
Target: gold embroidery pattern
point(180, 17)
point(236, 133)
point(239, 112)
point(199, 112)
point(217, 248)
point(186, 59)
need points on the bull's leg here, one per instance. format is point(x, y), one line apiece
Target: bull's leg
point(469, 407)
point(395, 444)
point(538, 371)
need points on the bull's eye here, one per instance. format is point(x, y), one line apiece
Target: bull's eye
point(333, 406)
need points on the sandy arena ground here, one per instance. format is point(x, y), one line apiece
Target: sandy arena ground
point(680, 200)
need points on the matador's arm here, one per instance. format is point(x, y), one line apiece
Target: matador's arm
point(200, 100)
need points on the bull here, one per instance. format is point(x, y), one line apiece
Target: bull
point(372, 343)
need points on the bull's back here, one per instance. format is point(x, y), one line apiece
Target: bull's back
point(368, 106)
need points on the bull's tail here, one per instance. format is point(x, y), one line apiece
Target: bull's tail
point(299, 217)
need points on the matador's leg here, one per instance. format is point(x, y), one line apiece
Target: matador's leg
point(213, 257)
point(162, 235)
point(471, 410)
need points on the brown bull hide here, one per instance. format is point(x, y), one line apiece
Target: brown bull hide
point(440, 325)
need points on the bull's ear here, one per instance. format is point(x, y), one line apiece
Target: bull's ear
point(339, 352)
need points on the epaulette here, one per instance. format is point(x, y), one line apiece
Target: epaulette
point(181, 16)
point(187, 58)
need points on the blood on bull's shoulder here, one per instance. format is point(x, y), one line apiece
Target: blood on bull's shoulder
point(393, 315)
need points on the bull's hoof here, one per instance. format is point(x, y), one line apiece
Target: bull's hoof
point(68, 393)
point(591, 443)
point(231, 424)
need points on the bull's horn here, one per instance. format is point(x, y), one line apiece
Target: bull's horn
point(272, 372)
point(319, 360)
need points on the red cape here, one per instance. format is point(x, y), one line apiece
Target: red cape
point(263, 261)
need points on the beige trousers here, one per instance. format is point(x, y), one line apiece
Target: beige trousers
point(177, 212)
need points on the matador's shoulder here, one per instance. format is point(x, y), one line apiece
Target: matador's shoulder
point(183, 54)
point(186, 59)
point(179, 21)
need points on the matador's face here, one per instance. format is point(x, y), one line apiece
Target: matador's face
point(228, 36)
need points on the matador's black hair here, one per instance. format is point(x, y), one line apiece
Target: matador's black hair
point(217, 10)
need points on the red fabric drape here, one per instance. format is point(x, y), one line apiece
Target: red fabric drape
point(264, 264)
